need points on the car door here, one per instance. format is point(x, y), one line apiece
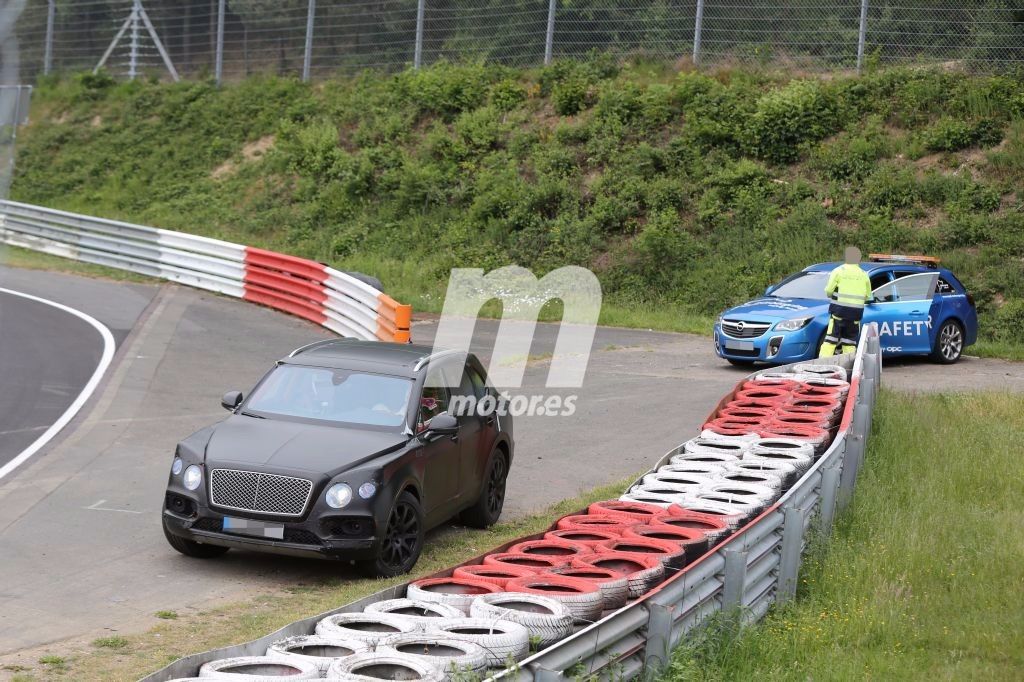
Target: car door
point(903, 310)
point(440, 455)
point(480, 432)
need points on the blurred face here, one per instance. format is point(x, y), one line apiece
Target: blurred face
point(852, 255)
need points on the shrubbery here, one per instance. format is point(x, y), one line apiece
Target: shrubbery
point(692, 188)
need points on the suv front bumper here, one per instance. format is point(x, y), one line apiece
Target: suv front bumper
point(772, 346)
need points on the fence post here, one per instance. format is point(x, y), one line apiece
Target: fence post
point(829, 488)
point(862, 35)
point(133, 47)
point(789, 562)
point(735, 578)
point(218, 66)
point(698, 28)
point(549, 36)
point(51, 12)
point(659, 636)
point(307, 57)
point(417, 58)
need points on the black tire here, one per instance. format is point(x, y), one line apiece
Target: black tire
point(486, 511)
point(193, 549)
point(949, 343)
point(739, 363)
point(400, 544)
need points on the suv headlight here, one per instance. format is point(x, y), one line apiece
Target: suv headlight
point(793, 325)
point(193, 477)
point(338, 495)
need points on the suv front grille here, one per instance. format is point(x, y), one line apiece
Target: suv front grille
point(741, 329)
point(261, 493)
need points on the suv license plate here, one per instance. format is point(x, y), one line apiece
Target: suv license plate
point(250, 527)
point(739, 345)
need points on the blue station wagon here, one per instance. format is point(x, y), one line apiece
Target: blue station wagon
point(920, 308)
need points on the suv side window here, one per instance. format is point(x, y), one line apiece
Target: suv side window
point(433, 400)
point(913, 287)
point(879, 279)
point(943, 287)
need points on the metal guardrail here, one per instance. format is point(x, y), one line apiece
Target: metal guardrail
point(756, 567)
point(311, 290)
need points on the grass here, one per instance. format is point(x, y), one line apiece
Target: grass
point(924, 575)
point(116, 658)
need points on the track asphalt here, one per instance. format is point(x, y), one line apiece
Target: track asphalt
point(80, 535)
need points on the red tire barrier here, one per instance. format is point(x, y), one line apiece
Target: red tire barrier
point(786, 419)
point(498, 575)
point(642, 572)
point(588, 538)
point(453, 585)
point(693, 542)
point(812, 391)
point(608, 523)
point(750, 402)
point(745, 412)
point(814, 405)
point(553, 547)
point(728, 427)
point(766, 393)
point(614, 586)
point(782, 384)
point(713, 527)
point(637, 511)
point(539, 562)
point(670, 553)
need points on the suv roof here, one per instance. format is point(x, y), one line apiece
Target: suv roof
point(404, 359)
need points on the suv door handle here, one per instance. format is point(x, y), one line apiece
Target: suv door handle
point(916, 313)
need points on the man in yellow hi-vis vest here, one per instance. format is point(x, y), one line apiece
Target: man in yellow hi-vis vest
point(849, 287)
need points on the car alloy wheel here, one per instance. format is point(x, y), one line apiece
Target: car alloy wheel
point(496, 487)
point(401, 537)
point(951, 341)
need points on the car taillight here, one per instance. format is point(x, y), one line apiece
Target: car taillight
point(970, 299)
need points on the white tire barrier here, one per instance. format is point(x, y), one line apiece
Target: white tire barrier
point(721, 459)
point(675, 479)
point(372, 666)
point(762, 493)
point(583, 598)
point(749, 505)
point(451, 654)
point(786, 472)
point(738, 473)
point(796, 452)
point(829, 371)
point(367, 627)
point(708, 434)
point(453, 592)
point(316, 649)
point(415, 608)
point(258, 669)
point(503, 640)
point(693, 467)
point(646, 497)
point(546, 620)
point(715, 446)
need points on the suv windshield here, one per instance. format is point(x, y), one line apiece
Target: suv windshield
point(803, 285)
point(332, 395)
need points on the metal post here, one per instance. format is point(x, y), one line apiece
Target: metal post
point(789, 562)
point(659, 637)
point(417, 57)
point(829, 488)
point(51, 15)
point(218, 64)
point(862, 35)
point(549, 36)
point(698, 28)
point(133, 49)
point(735, 578)
point(307, 58)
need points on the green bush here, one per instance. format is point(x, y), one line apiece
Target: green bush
point(1008, 324)
point(787, 117)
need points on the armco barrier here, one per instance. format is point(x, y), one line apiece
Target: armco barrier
point(756, 567)
point(311, 290)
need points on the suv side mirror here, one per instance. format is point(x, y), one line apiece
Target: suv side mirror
point(768, 291)
point(443, 424)
point(231, 400)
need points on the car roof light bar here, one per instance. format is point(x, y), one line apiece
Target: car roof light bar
point(930, 261)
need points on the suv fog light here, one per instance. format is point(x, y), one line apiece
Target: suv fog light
point(367, 490)
point(176, 466)
point(338, 495)
point(774, 345)
point(193, 477)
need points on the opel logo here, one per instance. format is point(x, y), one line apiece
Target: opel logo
point(740, 326)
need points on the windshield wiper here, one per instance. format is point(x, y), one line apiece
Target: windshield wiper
point(250, 414)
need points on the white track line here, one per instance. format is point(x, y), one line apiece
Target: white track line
point(87, 390)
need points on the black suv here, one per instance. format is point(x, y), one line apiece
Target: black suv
point(348, 450)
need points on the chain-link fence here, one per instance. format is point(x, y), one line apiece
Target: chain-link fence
point(235, 38)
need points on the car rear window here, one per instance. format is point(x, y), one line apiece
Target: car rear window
point(803, 285)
